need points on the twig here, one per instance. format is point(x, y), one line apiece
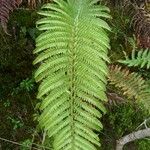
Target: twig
point(143, 123)
point(16, 143)
point(131, 137)
point(44, 136)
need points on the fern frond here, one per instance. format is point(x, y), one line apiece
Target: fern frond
point(139, 11)
point(72, 52)
point(141, 59)
point(7, 6)
point(142, 26)
point(132, 84)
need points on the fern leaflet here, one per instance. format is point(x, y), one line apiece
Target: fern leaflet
point(142, 59)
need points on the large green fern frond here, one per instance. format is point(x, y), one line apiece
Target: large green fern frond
point(72, 52)
point(141, 59)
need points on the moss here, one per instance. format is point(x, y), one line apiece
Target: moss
point(120, 121)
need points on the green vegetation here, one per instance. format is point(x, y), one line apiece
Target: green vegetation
point(72, 76)
point(72, 51)
point(121, 120)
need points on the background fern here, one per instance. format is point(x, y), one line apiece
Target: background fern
point(141, 59)
point(139, 12)
point(132, 84)
point(72, 51)
point(6, 6)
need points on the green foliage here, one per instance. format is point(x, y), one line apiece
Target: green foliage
point(141, 59)
point(6, 103)
point(74, 48)
point(26, 144)
point(72, 52)
point(121, 120)
point(143, 144)
point(26, 85)
point(121, 31)
point(16, 123)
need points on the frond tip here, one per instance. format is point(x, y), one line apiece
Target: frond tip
point(72, 52)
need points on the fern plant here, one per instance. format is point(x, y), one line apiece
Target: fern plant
point(139, 11)
point(72, 53)
point(142, 59)
point(132, 84)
